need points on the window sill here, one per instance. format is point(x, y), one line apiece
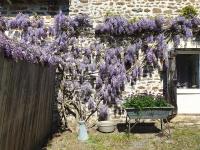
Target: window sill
point(188, 91)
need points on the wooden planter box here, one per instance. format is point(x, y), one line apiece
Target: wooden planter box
point(149, 112)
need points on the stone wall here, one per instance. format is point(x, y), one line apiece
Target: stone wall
point(97, 9)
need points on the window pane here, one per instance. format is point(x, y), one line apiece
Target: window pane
point(187, 71)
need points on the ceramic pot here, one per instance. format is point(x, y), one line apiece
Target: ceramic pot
point(106, 126)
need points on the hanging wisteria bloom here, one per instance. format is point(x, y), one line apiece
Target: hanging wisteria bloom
point(103, 112)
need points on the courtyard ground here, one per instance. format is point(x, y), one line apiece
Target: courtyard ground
point(146, 136)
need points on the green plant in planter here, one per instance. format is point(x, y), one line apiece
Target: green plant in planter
point(189, 11)
point(142, 101)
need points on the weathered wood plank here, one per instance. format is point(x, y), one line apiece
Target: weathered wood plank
point(172, 81)
point(26, 99)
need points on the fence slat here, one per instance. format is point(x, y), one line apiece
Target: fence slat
point(26, 99)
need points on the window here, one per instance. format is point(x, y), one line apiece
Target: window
point(188, 70)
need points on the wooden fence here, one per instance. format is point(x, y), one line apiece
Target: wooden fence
point(26, 98)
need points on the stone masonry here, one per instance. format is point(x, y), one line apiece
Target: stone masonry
point(97, 9)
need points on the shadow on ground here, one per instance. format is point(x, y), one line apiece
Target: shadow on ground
point(139, 128)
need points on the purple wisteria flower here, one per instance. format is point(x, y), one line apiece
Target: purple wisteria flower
point(176, 40)
point(103, 112)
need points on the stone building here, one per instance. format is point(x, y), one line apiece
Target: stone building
point(183, 75)
point(97, 10)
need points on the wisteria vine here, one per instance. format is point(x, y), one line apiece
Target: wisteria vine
point(147, 36)
point(93, 77)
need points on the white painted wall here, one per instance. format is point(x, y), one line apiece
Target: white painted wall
point(188, 101)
